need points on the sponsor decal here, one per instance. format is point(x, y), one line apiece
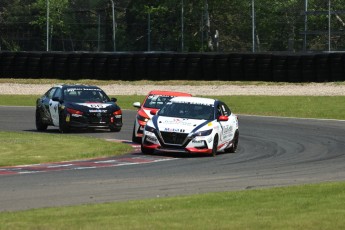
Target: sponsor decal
point(209, 124)
point(174, 130)
point(95, 105)
point(82, 89)
point(150, 138)
point(97, 111)
point(177, 121)
point(68, 118)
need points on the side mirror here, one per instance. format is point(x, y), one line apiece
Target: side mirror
point(113, 99)
point(137, 105)
point(153, 112)
point(223, 118)
point(57, 99)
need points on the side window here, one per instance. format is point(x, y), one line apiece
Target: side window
point(58, 93)
point(219, 110)
point(225, 109)
point(50, 93)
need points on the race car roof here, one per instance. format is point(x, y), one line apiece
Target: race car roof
point(76, 86)
point(169, 93)
point(193, 100)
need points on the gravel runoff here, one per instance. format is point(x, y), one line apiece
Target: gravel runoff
point(310, 89)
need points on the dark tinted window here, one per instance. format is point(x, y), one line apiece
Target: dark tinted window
point(83, 95)
point(156, 101)
point(50, 93)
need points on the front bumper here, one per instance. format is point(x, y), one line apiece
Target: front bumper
point(93, 121)
point(195, 145)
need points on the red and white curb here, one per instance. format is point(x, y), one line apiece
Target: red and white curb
point(130, 159)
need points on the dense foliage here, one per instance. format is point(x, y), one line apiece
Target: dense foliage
point(170, 25)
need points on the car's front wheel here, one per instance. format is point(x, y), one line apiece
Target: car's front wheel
point(40, 126)
point(215, 146)
point(146, 150)
point(135, 139)
point(63, 126)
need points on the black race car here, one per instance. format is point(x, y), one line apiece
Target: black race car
point(77, 106)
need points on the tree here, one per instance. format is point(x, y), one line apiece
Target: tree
point(56, 10)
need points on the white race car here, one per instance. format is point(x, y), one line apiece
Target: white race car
point(192, 125)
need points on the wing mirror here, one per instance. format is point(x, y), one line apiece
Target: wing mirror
point(153, 112)
point(223, 118)
point(113, 99)
point(136, 104)
point(57, 99)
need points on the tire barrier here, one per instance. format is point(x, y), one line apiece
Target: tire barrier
point(166, 66)
point(7, 64)
point(153, 67)
point(279, 68)
point(222, 67)
point(130, 66)
point(264, 67)
point(236, 67)
point(33, 68)
point(194, 67)
point(127, 71)
point(180, 66)
point(113, 67)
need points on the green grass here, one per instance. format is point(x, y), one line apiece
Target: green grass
point(329, 107)
point(19, 148)
point(299, 207)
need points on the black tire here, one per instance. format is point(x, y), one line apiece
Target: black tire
point(215, 146)
point(63, 127)
point(146, 150)
point(40, 126)
point(134, 138)
point(234, 145)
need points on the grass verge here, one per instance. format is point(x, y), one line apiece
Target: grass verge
point(328, 107)
point(19, 148)
point(298, 207)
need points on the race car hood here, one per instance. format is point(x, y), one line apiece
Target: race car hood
point(93, 107)
point(181, 125)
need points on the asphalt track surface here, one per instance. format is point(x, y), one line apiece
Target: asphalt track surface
point(272, 152)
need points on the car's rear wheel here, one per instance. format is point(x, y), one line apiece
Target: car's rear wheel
point(215, 146)
point(40, 126)
point(146, 150)
point(234, 145)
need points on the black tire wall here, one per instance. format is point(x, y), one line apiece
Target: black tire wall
point(162, 66)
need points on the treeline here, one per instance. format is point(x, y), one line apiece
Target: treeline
point(172, 25)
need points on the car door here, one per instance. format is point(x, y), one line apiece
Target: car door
point(54, 106)
point(44, 105)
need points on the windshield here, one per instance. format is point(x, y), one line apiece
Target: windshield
point(84, 95)
point(186, 110)
point(156, 101)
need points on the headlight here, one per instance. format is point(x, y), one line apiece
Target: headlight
point(203, 133)
point(149, 129)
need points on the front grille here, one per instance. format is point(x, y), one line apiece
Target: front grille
point(95, 118)
point(174, 138)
